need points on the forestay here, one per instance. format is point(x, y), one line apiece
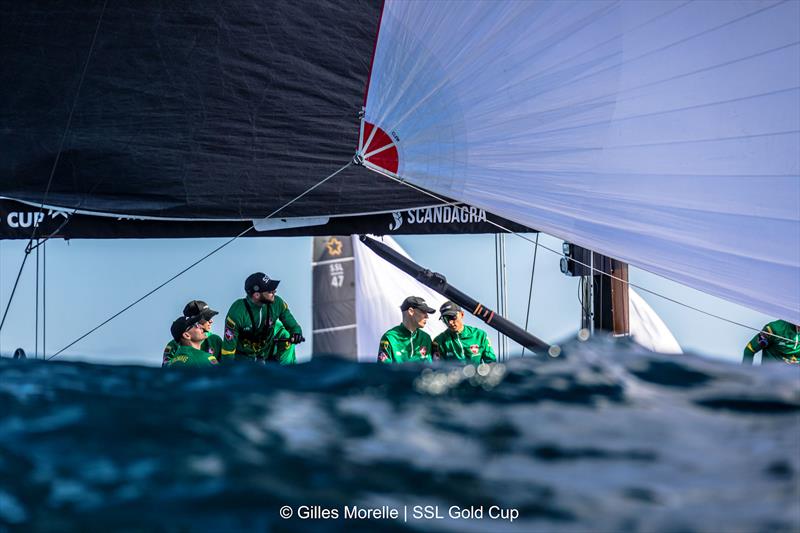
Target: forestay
point(663, 134)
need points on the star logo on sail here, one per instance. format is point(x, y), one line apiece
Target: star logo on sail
point(334, 246)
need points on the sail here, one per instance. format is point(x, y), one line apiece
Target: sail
point(647, 328)
point(380, 289)
point(333, 299)
point(662, 134)
point(184, 111)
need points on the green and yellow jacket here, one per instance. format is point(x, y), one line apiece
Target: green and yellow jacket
point(212, 345)
point(398, 345)
point(472, 345)
point(775, 349)
point(186, 356)
point(253, 331)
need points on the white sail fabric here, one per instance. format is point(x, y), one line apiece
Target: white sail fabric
point(664, 134)
point(380, 289)
point(647, 328)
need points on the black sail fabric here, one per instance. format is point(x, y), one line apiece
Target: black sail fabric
point(198, 110)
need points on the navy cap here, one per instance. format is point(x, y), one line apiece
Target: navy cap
point(417, 303)
point(449, 310)
point(260, 282)
point(182, 324)
point(199, 308)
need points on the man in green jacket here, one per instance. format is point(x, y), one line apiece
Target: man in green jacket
point(260, 326)
point(189, 335)
point(212, 343)
point(459, 341)
point(407, 342)
point(778, 341)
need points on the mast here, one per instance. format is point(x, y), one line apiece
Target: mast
point(604, 294)
point(438, 282)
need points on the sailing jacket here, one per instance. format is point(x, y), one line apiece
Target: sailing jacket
point(398, 345)
point(774, 348)
point(471, 345)
point(186, 356)
point(212, 345)
point(250, 331)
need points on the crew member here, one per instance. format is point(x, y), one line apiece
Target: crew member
point(459, 341)
point(260, 326)
point(778, 341)
point(189, 335)
point(212, 343)
point(407, 342)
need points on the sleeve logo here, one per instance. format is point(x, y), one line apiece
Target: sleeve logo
point(228, 334)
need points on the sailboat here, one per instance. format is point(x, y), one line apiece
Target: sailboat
point(661, 134)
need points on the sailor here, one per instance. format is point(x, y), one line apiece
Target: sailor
point(260, 326)
point(212, 343)
point(459, 341)
point(778, 341)
point(407, 342)
point(189, 335)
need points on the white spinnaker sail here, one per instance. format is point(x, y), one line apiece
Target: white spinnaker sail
point(380, 289)
point(663, 134)
point(647, 328)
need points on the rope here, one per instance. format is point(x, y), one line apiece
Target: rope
point(36, 311)
point(14, 289)
point(29, 247)
point(44, 301)
point(654, 293)
point(530, 290)
point(209, 254)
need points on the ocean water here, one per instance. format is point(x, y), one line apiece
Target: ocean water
point(604, 438)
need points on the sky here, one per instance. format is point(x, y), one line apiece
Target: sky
point(87, 281)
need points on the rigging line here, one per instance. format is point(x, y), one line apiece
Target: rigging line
point(13, 290)
point(530, 290)
point(44, 301)
point(55, 162)
point(36, 311)
point(71, 114)
point(209, 254)
point(521, 236)
point(69, 218)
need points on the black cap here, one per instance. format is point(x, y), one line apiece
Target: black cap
point(449, 310)
point(260, 282)
point(417, 303)
point(199, 308)
point(181, 324)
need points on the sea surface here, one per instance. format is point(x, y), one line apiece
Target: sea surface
point(606, 437)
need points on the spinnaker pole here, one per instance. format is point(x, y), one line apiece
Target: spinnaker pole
point(438, 282)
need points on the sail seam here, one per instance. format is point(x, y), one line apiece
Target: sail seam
point(329, 261)
point(335, 328)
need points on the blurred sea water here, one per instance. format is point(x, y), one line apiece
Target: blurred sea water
point(606, 437)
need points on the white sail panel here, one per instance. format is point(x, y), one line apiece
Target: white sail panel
point(663, 134)
point(647, 328)
point(380, 289)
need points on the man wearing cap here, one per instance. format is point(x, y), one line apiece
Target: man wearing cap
point(407, 342)
point(260, 326)
point(212, 343)
point(459, 341)
point(189, 335)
